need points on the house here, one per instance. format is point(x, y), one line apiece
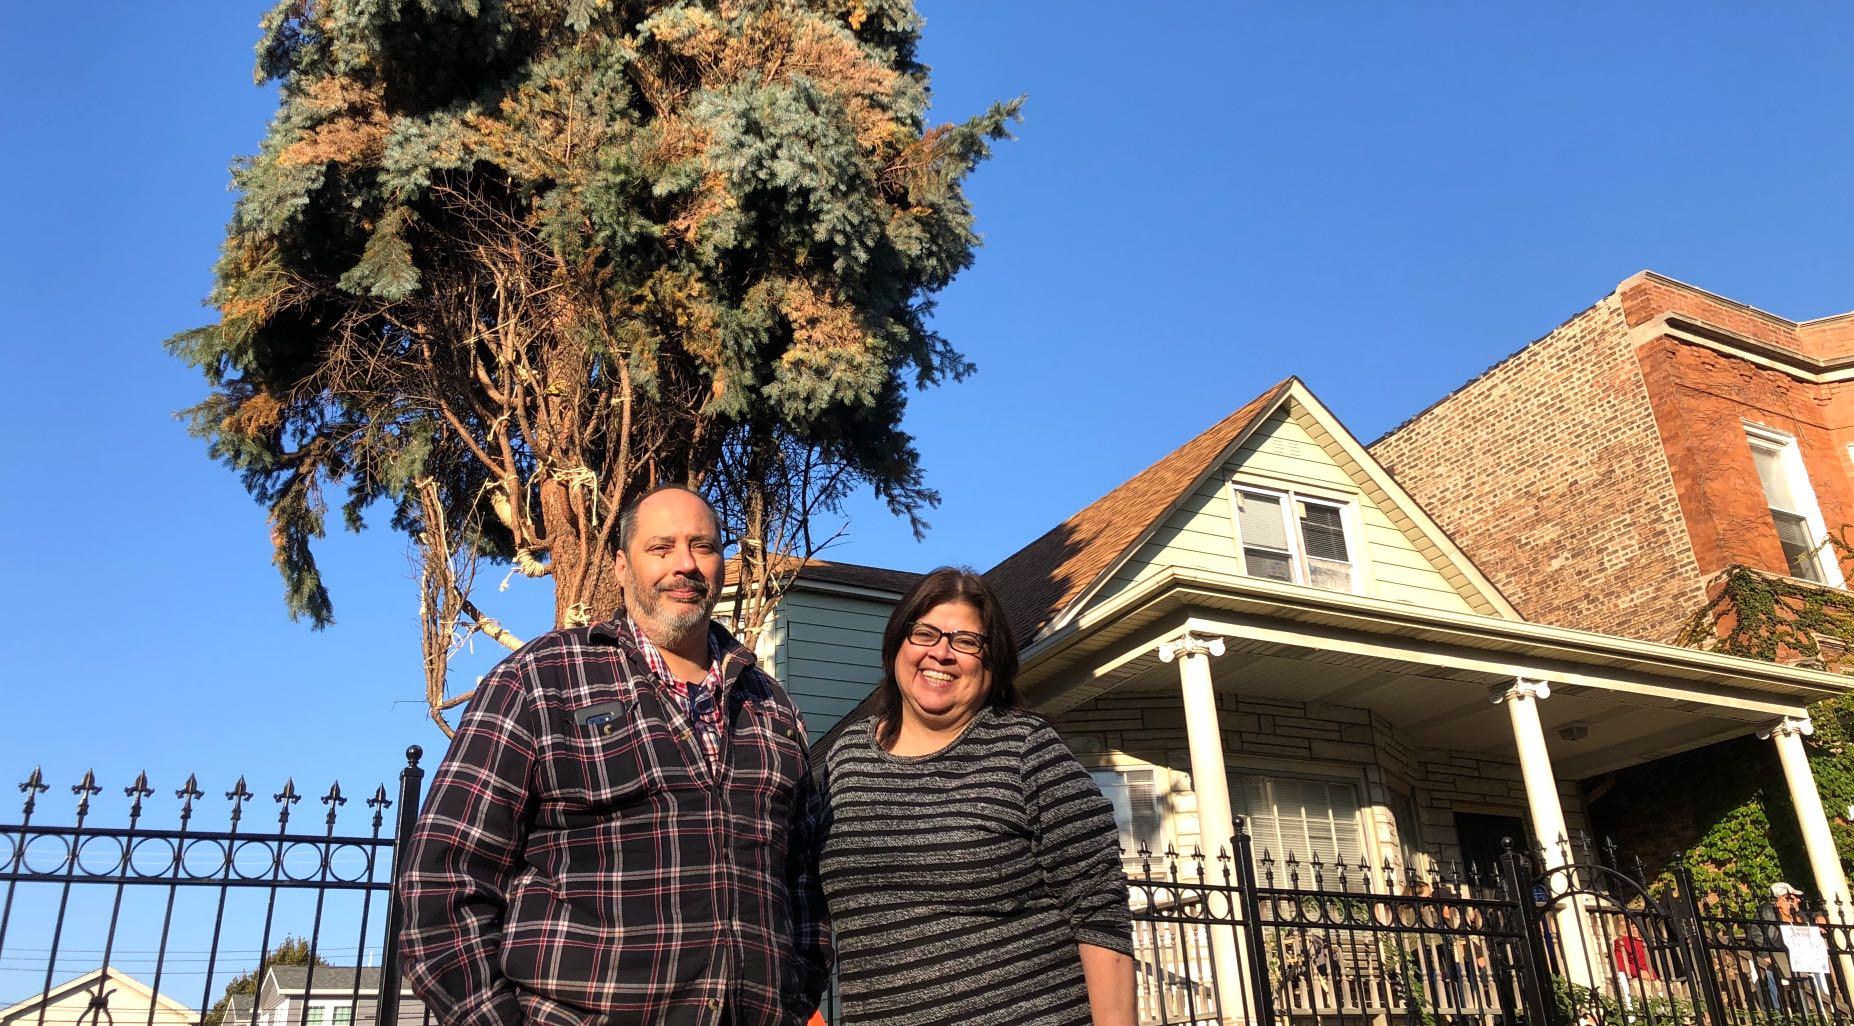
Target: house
point(337, 996)
point(1264, 623)
point(824, 638)
point(104, 997)
point(1643, 446)
point(1604, 475)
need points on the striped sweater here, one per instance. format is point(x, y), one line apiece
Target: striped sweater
point(959, 883)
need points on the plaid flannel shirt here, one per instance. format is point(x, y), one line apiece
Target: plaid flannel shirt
point(579, 861)
point(700, 699)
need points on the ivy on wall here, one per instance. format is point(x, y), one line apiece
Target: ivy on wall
point(1752, 842)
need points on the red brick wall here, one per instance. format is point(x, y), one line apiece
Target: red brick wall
point(1548, 470)
point(1702, 400)
point(1831, 338)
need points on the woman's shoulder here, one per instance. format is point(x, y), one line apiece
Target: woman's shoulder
point(1032, 727)
point(1030, 735)
point(846, 737)
point(1016, 721)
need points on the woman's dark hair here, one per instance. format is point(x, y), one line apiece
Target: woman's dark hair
point(947, 584)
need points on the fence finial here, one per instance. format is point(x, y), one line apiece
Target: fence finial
point(186, 793)
point(34, 786)
point(83, 789)
point(238, 796)
point(135, 793)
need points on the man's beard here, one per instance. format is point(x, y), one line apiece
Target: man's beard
point(670, 625)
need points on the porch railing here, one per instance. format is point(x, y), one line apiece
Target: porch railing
point(1562, 938)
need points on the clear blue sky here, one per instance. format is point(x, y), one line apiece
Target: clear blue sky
point(1205, 198)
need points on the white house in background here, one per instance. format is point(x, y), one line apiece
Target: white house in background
point(335, 997)
point(104, 997)
point(1264, 624)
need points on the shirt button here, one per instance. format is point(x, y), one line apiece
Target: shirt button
point(714, 1004)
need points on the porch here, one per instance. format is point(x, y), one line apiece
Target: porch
point(1366, 743)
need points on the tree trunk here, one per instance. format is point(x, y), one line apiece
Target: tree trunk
point(586, 586)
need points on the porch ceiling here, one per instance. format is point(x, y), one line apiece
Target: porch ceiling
point(1425, 673)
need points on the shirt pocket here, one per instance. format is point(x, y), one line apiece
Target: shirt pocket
point(607, 755)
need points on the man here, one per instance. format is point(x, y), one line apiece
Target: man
point(624, 828)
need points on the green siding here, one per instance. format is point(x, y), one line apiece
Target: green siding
point(828, 652)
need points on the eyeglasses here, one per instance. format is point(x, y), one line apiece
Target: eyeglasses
point(926, 635)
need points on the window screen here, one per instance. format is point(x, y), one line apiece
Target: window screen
point(1322, 533)
point(1304, 818)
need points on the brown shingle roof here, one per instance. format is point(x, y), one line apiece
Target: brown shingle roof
point(858, 576)
point(1040, 580)
point(854, 575)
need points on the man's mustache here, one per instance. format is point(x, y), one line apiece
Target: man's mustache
point(695, 584)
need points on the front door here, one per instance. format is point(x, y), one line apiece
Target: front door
point(1484, 837)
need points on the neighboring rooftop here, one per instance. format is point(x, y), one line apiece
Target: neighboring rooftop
point(339, 979)
point(856, 575)
point(849, 575)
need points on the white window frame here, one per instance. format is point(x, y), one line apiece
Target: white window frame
point(1297, 559)
point(1166, 837)
point(1789, 459)
point(1361, 813)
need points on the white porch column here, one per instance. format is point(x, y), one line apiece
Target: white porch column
point(1211, 784)
point(1830, 883)
point(1521, 699)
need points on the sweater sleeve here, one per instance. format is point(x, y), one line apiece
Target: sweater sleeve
point(1076, 843)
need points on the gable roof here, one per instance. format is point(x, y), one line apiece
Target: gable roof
point(1045, 580)
point(287, 981)
point(328, 978)
point(1038, 582)
point(116, 977)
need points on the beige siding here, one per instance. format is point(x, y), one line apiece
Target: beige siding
point(827, 653)
point(128, 1003)
point(1199, 534)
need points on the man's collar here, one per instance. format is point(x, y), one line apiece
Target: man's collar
point(733, 656)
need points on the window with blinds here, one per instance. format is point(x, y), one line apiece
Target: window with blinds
point(1265, 551)
point(1787, 493)
point(1288, 537)
point(1138, 813)
point(1305, 818)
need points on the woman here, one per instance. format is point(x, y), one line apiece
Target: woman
point(971, 865)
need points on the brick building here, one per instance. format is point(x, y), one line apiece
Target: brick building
point(1604, 475)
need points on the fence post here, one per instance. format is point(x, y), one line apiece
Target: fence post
point(1534, 969)
point(1692, 930)
point(1253, 941)
point(386, 1008)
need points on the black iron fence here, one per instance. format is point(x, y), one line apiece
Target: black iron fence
point(261, 909)
point(1562, 938)
point(141, 925)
